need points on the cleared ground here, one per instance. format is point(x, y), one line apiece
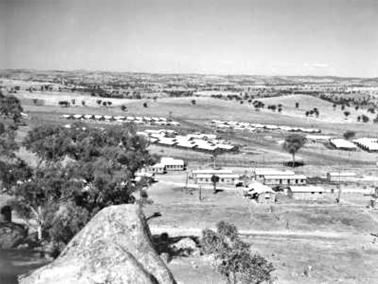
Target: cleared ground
point(333, 239)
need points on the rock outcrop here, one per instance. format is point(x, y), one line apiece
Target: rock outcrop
point(114, 247)
point(11, 234)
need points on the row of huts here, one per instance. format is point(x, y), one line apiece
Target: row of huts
point(366, 144)
point(253, 127)
point(260, 188)
point(146, 120)
point(207, 143)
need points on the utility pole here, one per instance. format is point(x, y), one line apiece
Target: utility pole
point(199, 193)
point(186, 181)
point(339, 186)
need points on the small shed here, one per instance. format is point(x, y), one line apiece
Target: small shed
point(260, 192)
point(306, 192)
point(159, 168)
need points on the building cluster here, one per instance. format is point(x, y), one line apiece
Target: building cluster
point(366, 144)
point(208, 143)
point(295, 185)
point(146, 120)
point(254, 127)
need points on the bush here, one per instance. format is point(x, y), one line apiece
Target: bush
point(233, 258)
point(66, 223)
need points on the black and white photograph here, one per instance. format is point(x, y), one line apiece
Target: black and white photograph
point(188, 141)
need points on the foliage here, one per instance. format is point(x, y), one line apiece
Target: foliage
point(86, 167)
point(233, 257)
point(10, 112)
point(215, 180)
point(67, 222)
point(10, 107)
point(365, 118)
point(293, 143)
point(349, 134)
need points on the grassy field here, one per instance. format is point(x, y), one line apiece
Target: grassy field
point(333, 239)
point(327, 112)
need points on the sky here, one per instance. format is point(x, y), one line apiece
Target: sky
point(270, 37)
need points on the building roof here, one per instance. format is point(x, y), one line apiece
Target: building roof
point(186, 144)
point(342, 143)
point(285, 177)
point(159, 165)
point(258, 188)
point(212, 171)
point(269, 172)
point(370, 143)
point(341, 174)
point(306, 189)
point(220, 176)
point(167, 141)
point(171, 161)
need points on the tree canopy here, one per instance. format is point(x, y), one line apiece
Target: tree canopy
point(81, 168)
point(10, 107)
point(293, 143)
point(349, 134)
point(10, 112)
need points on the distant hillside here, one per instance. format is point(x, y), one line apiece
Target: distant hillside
point(25, 74)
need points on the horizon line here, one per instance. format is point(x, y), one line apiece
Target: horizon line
point(183, 73)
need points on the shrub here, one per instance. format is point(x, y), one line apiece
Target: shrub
point(233, 257)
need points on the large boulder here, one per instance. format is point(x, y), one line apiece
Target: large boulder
point(185, 247)
point(114, 247)
point(11, 234)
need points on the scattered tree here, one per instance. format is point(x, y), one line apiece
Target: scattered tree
point(215, 180)
point(349, 134)
point(296, 105)
point(293, 143)
point(365, 118)
point(145, 105)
